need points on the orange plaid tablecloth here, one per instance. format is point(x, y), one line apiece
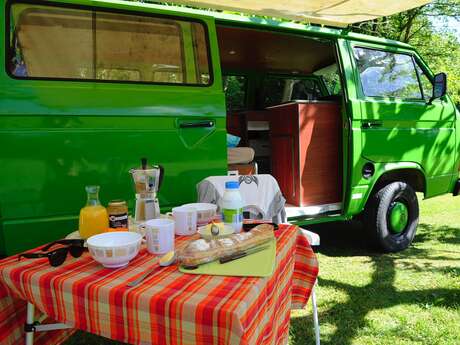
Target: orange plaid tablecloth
point(169, 307)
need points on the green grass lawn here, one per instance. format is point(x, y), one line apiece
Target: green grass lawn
point(364, 297)
point(412, 297)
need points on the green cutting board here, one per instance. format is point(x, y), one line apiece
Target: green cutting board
point(260, 264)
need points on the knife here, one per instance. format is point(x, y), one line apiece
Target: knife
point(242, 254)
point(249, 226)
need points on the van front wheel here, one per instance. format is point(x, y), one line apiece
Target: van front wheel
point(391, 216)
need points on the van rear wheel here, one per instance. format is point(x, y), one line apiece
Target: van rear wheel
point(391, 216)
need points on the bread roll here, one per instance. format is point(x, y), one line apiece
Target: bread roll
point(202, 251)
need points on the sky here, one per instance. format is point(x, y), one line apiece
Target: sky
point(453, 24)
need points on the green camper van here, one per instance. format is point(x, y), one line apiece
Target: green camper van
point(349, 125)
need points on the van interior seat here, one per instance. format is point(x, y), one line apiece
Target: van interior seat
point(241, 159)
point(240, 155)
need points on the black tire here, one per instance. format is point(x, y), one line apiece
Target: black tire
point(377, 217)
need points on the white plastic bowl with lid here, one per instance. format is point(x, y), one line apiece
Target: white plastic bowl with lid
point(205, 212)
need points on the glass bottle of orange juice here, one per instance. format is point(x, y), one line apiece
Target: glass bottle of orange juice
point(93, 217)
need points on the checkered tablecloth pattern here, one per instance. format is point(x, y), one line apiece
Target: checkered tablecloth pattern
point(169, 307)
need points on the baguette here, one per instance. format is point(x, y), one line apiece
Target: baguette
point(202, 251)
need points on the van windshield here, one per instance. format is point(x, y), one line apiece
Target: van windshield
point(331, 78)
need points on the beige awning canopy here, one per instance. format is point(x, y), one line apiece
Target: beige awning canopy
point(328, 12)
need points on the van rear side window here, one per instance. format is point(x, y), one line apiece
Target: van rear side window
point(48, 42)
point(386, 74)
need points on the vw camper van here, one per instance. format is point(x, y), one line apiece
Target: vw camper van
point(348, 124)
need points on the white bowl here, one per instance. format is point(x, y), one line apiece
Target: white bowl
point(114, 249)
point(205, 212)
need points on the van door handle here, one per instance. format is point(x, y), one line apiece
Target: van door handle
point(371, 124)
point(197, 124)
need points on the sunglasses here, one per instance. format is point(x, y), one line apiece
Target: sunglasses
point(57, 257)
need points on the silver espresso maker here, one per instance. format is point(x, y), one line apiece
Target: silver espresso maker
point(147, 182)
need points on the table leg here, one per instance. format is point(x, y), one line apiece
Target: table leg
point(315, 314)
point(29, 321)
point(31, 326)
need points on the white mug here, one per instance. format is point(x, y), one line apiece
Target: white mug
point(159, 235)
point(185, 218)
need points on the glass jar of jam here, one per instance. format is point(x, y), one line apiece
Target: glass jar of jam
point(118, 214)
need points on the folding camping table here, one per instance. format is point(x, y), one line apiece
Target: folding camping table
point(169, 307)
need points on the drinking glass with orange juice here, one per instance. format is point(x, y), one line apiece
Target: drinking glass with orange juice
point(93, 217)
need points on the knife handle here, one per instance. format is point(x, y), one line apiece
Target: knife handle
point(232, 257)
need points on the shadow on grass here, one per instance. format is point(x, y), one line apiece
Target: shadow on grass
point(343, 239)
point(443, 234)
point(349, 317)
point(349, 239)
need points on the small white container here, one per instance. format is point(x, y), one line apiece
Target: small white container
point(185, 219)
point(159, 235)
point(231, 206)
point(114, 249)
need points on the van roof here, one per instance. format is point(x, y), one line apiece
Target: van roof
point(230, 19)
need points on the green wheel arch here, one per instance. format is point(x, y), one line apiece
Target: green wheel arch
point(408, 172)
point(412, 176)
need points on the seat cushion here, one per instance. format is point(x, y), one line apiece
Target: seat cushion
point(240, 155)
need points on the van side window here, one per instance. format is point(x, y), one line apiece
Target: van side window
point(201, 54)
point(427, 86)
point(386, 74)
point(66, 43)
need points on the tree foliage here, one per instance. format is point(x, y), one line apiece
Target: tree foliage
point(426, 29)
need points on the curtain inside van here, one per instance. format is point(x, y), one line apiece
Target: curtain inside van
point(69, 43)
point(68, 49)
point(327, 12)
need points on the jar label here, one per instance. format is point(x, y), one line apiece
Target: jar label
point(118, 221)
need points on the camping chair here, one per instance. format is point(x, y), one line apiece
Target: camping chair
point(264, 200)
point(261, 193)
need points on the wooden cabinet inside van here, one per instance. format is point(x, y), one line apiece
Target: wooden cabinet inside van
point(305, 145)
point(305, 142)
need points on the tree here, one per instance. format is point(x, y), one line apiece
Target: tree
point(439, 47)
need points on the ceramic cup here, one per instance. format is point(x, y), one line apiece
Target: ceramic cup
point(159, 235)
point(185, 218)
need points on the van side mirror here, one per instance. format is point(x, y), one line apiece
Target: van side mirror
point(439, 86)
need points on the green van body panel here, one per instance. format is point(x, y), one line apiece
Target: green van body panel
point(415, 135)
point(58, 136)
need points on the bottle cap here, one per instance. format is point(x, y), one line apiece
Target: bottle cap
point(232, 185)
